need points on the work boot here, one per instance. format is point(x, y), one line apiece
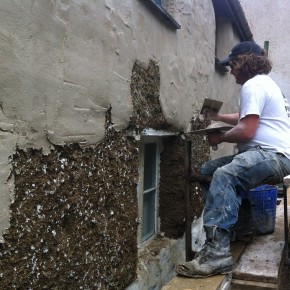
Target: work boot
point(214, 257)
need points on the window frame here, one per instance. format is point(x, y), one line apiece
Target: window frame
point(140, 190)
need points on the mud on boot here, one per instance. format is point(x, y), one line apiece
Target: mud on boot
point(214, 257)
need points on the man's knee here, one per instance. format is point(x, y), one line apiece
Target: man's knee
point(206, 169)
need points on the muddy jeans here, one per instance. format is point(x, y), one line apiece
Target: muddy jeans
point(236, 173)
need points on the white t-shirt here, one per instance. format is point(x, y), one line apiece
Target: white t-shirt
point(261, 96)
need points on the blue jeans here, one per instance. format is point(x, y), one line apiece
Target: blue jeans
point(236, 173)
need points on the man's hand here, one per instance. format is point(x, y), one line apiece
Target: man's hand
point(211, 115)
point(243, 132)
point(231, 119)
point(214, 138)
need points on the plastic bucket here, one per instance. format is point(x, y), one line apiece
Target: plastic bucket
point(257, 214)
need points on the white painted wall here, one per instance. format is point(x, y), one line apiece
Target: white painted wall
point(269, 21)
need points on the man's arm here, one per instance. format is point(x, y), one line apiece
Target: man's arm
point(244, 131)
point(231, 119)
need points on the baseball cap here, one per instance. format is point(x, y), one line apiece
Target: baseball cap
point(241, 48)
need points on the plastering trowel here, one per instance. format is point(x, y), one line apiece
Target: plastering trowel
point(215, 127)
point(210, 104)
point(213, 105)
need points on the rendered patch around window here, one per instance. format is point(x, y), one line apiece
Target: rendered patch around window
point(156, 5)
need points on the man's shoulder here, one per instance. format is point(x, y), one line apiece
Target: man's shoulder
point(260, 79)
point(263, 81)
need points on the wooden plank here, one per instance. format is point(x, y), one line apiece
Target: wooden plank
point(210, 283)
point(249, 285)
point(261, 259)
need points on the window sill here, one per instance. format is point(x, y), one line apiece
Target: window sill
point(222, 69)
point(164, 14)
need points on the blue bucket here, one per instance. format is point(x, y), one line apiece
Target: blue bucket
point(261, 203)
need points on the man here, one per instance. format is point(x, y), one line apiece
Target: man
point(262, 133)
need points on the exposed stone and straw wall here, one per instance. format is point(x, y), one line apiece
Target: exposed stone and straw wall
point(73, 222)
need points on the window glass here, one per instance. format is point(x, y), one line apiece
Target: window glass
point(150, 166)
point(149, 212)
point(149, 189)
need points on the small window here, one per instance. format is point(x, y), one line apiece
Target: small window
point(266, 47)
point(148, 189)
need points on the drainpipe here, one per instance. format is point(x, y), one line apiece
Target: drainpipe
point(239, 19)
point(188, 209)
point(286, 230)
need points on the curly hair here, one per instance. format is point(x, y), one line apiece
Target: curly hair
point(251, 64)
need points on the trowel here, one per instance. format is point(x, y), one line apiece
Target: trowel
point(214, 105)
point(210, 104)
point(214, 127)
